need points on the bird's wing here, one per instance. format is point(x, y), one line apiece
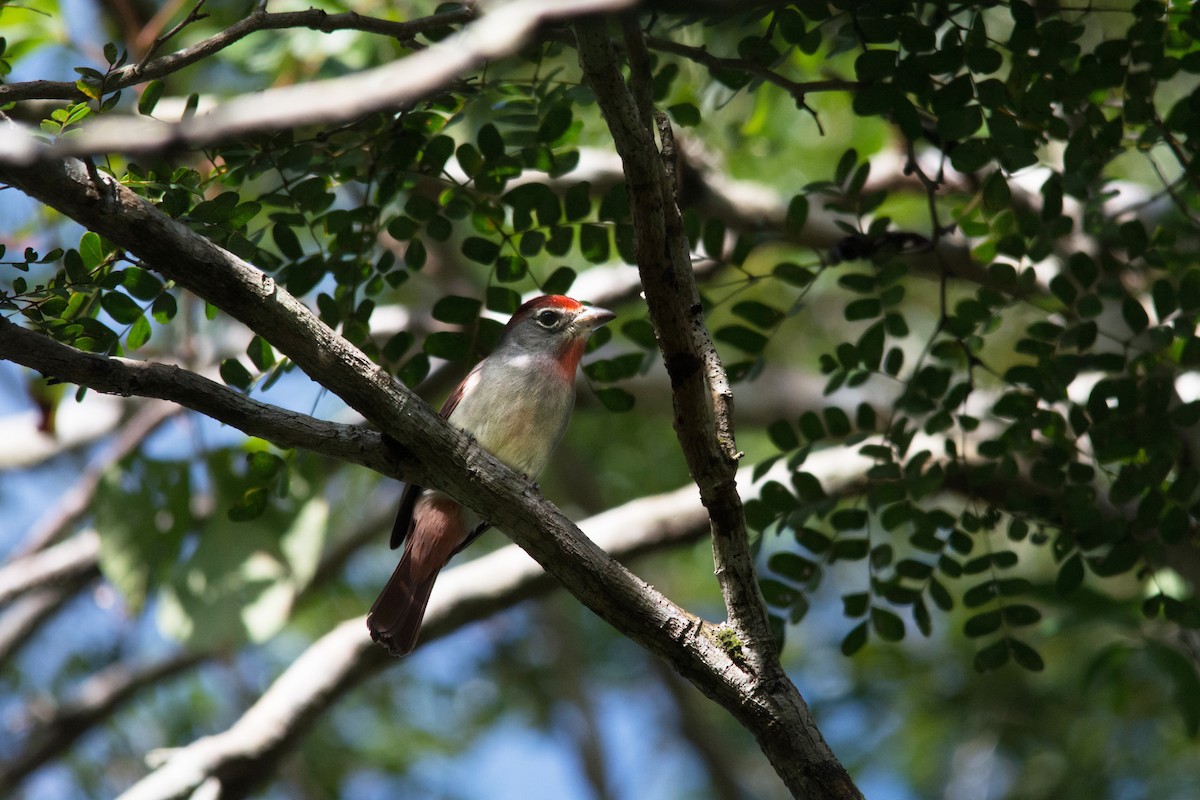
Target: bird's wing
point(412, 492)
point(468, 383)
point(403, 524)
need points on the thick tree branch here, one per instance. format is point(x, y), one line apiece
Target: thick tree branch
point(779, 720)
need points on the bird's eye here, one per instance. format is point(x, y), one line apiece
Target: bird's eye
point(546, 318)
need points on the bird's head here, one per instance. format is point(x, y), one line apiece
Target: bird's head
point(554, 325)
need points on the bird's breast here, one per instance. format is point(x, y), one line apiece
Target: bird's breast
point(518, 412)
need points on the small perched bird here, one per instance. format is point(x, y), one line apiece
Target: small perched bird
point(515, 403)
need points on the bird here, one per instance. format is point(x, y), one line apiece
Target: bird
point(515, 403)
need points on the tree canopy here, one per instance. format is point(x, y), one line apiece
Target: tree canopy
point(892, 451)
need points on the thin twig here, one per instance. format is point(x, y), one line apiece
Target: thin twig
point(193, 16)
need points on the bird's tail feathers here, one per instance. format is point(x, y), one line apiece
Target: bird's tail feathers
point(395, 619)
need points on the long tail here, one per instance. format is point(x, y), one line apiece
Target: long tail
point(395, 619)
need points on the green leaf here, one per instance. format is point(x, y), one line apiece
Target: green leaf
point(836, 421)
point(887, 624)
point(448, 345)
point(1020, 614)
point(139, 333)
point(875, 65)
point(855, 639)
point(972, 155)
point(742, 337)
point(1134, 314)
point(863, 308)
point(782, 435)
point(220, 209)
point(793, 274)
point(1070, 575)
point(261, 355)
point(614, 369)
point(1025, 655)
point(397, 346)
point(848, 519)
point(790, 565)
point(939, 595)
point(480, 250)
point(982, 624)
point(594, 243)
point(577, 201)
point(856, 604)
point(959, 123)
point(992, 657)
point(777, 594)
point(758, 314)
point(164, 308)
point(491, 143)
point(684, 114)
point(262, 467)
point(120, 307)
point(250, 506)
point(91, 250)
point(469, 158)
point(286, 240)
point(797, 215)
point(511, 268)
point(560, 281)
point(456, 310)
point(127, 507)
point(150, 97)
point(235, 374)
point(615, 400)
point(140, 283)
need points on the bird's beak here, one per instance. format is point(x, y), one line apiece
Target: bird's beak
point(591, 318)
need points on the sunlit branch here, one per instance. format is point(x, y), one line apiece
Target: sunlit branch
point(258, 20)
point(240, 759)
point(498, 33)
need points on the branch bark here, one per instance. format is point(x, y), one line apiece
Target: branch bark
point(771, 707)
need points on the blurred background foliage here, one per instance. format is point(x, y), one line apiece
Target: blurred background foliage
point(950, 249)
